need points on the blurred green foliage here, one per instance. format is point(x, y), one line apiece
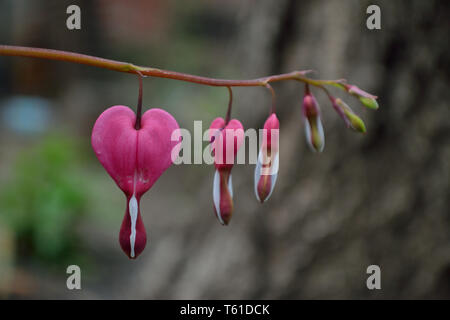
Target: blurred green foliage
point(45, 199)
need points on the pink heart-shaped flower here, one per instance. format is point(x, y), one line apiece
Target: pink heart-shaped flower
point(226, 139)
point(135, 159)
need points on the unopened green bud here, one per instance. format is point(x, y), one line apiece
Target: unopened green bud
point(367, 99)
point(347, 114)
point(369, 102)
point(355, 122)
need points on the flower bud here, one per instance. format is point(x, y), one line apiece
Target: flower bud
point(370, 103)
point(313, 124)
point(347, 114)
point(226, 139)
point(266, 170)
point(366, 98)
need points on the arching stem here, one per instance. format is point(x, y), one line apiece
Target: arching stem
point(73, 57)
point(119, 66)
point(272, 109)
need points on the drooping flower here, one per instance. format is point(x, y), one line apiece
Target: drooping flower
point(135, 159)
point(313, 125)
point(266, 170)
point(347, 114)
point(226, 139)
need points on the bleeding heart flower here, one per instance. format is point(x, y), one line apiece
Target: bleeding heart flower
point(135, 159)
point(313, 124)
point(266, 170)
point(226, 139)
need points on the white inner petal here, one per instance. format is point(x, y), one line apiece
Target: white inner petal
point(258, 169)
point(321, 133)
point(308, 134)
point(274, 165)
point(133, 208)
point(216, 195)
point(273, 176)
point(230, 186)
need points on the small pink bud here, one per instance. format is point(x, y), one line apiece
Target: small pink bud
point(135, 159)
point(313, 125)
point(266, 170)
point(226, 139)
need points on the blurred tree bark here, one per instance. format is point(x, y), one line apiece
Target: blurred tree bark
point(382, 198)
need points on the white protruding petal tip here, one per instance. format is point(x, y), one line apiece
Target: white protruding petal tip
point(133, 208)
point(321, 133)
point(273, 174)
point(258, 174)
point(216, 195)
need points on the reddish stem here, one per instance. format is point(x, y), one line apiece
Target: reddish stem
point(230, 103)
point(272, 109)
point(137, 125)
point(145, 71)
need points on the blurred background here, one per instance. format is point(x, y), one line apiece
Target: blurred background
point(380, 198)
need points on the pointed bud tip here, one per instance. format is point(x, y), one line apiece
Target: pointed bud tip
point(355, 122)
point(263, 188)
point(272, 122)
point(370, 103)
point(125, 245)
point(226, 220)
